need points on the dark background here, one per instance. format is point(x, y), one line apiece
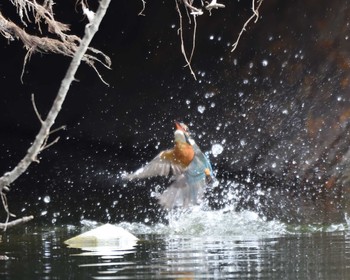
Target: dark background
point(279, 105)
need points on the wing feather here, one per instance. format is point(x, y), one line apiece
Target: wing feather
point(159, 166)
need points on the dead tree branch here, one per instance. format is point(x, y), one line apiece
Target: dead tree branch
point(183, 49)
point(254, 15)
point(194, 11)
point(66, 44)
point(16, 222)
point(41, 138)
point(143, 8)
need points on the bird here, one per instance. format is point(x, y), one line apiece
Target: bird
point(190, 169)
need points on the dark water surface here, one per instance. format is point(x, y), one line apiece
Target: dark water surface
point(199, 245)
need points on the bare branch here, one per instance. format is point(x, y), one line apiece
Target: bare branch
point(254, 15)
point(6, 207)
point(16, 222)
point(66, 45)
point(183, 50)
point(62, 127)
point(87, 12)
point(193, 38)
point(214, 5)
point(143, 8)
point(45, 146)
point(194, 10)
point(41, 137)
point(36, 110)
point(40, 13)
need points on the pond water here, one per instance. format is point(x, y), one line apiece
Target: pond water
point(195, 244)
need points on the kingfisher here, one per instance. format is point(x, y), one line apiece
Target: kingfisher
point(190, 169)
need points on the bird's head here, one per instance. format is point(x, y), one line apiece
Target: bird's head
point(182, 127)
point(182, 133)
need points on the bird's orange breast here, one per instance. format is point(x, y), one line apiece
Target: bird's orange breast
point(182, 154)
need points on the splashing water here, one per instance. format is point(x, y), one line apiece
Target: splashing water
point(217, 149)
point(226, 223)
point(198, 222)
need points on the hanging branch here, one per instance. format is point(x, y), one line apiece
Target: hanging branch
point(143, 8)
point(40, 140)
point(194, 11)
point(254, 15)
point(183, 50)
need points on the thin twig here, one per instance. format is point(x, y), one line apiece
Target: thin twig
point(180, 30)
point(254, 15)
point(62, 127)
point(6, 207)
point(193, 37)
point(16, 222)
point(143, 8)
point(44, 147)
point(36, 110)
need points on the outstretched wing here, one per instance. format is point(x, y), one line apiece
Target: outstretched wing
point(159, 166)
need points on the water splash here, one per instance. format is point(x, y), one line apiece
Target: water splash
point(216, 149)
point(208, 223)
point(199, 222)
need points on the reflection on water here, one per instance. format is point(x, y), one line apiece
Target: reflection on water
point(196, 245)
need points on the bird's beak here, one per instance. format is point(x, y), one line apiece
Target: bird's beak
point(178, 126)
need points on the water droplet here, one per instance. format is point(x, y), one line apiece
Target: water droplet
point(216, 149)
point(211, 37)
point(264, 63)
point(201, 109)
point(47, 199)
point(209, 95)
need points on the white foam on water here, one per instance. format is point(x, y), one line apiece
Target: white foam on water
point(209, 223)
